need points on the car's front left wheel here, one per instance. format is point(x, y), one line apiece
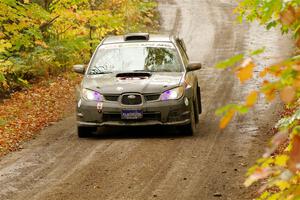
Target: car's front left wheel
point(84, 132)
point(191, 128)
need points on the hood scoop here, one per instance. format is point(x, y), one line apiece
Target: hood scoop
point(133, 75)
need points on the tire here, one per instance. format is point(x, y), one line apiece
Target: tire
point(191, 128)
point(84, 132)
point(196, 109)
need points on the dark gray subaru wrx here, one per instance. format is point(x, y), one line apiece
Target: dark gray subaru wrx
point(138, 79)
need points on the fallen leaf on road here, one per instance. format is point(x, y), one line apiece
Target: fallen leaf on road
point(27, 112)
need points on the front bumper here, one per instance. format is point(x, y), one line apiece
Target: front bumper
point(172, 112)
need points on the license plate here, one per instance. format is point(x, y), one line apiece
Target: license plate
point(132, 114)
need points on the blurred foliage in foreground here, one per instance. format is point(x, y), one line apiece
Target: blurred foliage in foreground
point(279, 168)
point(39, 38)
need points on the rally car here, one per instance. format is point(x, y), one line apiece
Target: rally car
point(138, 79)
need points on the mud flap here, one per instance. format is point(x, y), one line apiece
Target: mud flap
point(199, 100)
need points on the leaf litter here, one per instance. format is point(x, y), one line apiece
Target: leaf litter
point(27, 112)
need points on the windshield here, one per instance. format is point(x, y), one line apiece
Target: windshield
point(150, 57)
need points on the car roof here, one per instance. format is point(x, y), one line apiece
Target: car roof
point(148, 38)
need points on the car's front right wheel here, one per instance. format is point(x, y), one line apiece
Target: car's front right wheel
point(84, 132)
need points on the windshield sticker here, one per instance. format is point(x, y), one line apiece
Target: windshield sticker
point(167, 45)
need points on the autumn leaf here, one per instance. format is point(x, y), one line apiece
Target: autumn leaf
point(245, 72)
point(276, 166)
point(287, 94)
point(260, 173)
point(288, 17)
point(298, 42)
point(226, 119)
point(41, 43)
point(297, 12)
point(268, 90)
point(296, 83)
point(41, 104)
point(296, 67)
point(276, 70)
point(264, 72)
point(251, 99)
point(277, 140)
point(294, 161)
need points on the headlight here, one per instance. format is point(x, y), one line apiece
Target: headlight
point(91, 95)
point(175, 93)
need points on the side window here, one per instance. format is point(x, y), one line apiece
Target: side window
point(182, 50)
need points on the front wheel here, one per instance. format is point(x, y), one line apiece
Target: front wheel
point(190, 129)
point(84, 132)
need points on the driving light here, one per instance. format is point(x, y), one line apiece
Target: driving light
point(91, 95)
point(175, 93)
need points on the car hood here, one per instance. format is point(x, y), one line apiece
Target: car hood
point(111, 84)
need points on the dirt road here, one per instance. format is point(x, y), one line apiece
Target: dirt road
point(159, 163)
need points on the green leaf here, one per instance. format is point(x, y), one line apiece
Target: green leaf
point(239, 108)
point(225, 109)
point(2, 78)
point(258, 51)
point(2, 122)
point(229, 62)
point(271, 25)
point(242, 109)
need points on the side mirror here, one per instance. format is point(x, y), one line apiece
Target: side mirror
point(193, 67)
point(80, 69)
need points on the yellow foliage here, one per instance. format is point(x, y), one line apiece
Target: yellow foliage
point(296, 83)
point(281, 160)
point(264, 72)
point(226, 118)
point(251, 99)
point(269, 90)
point(245, 72)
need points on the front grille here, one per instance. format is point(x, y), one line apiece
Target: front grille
point(147, 97)
point(111, 97)
point(131, 99)
point(151, 97)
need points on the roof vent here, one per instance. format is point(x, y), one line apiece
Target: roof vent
point(136, 36)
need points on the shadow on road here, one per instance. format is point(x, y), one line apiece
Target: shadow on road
point(138, 133)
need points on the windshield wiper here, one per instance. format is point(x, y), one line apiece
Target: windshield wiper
point(96, 73)
point(141, 70)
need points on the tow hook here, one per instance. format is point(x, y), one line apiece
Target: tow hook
point(99, 107)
